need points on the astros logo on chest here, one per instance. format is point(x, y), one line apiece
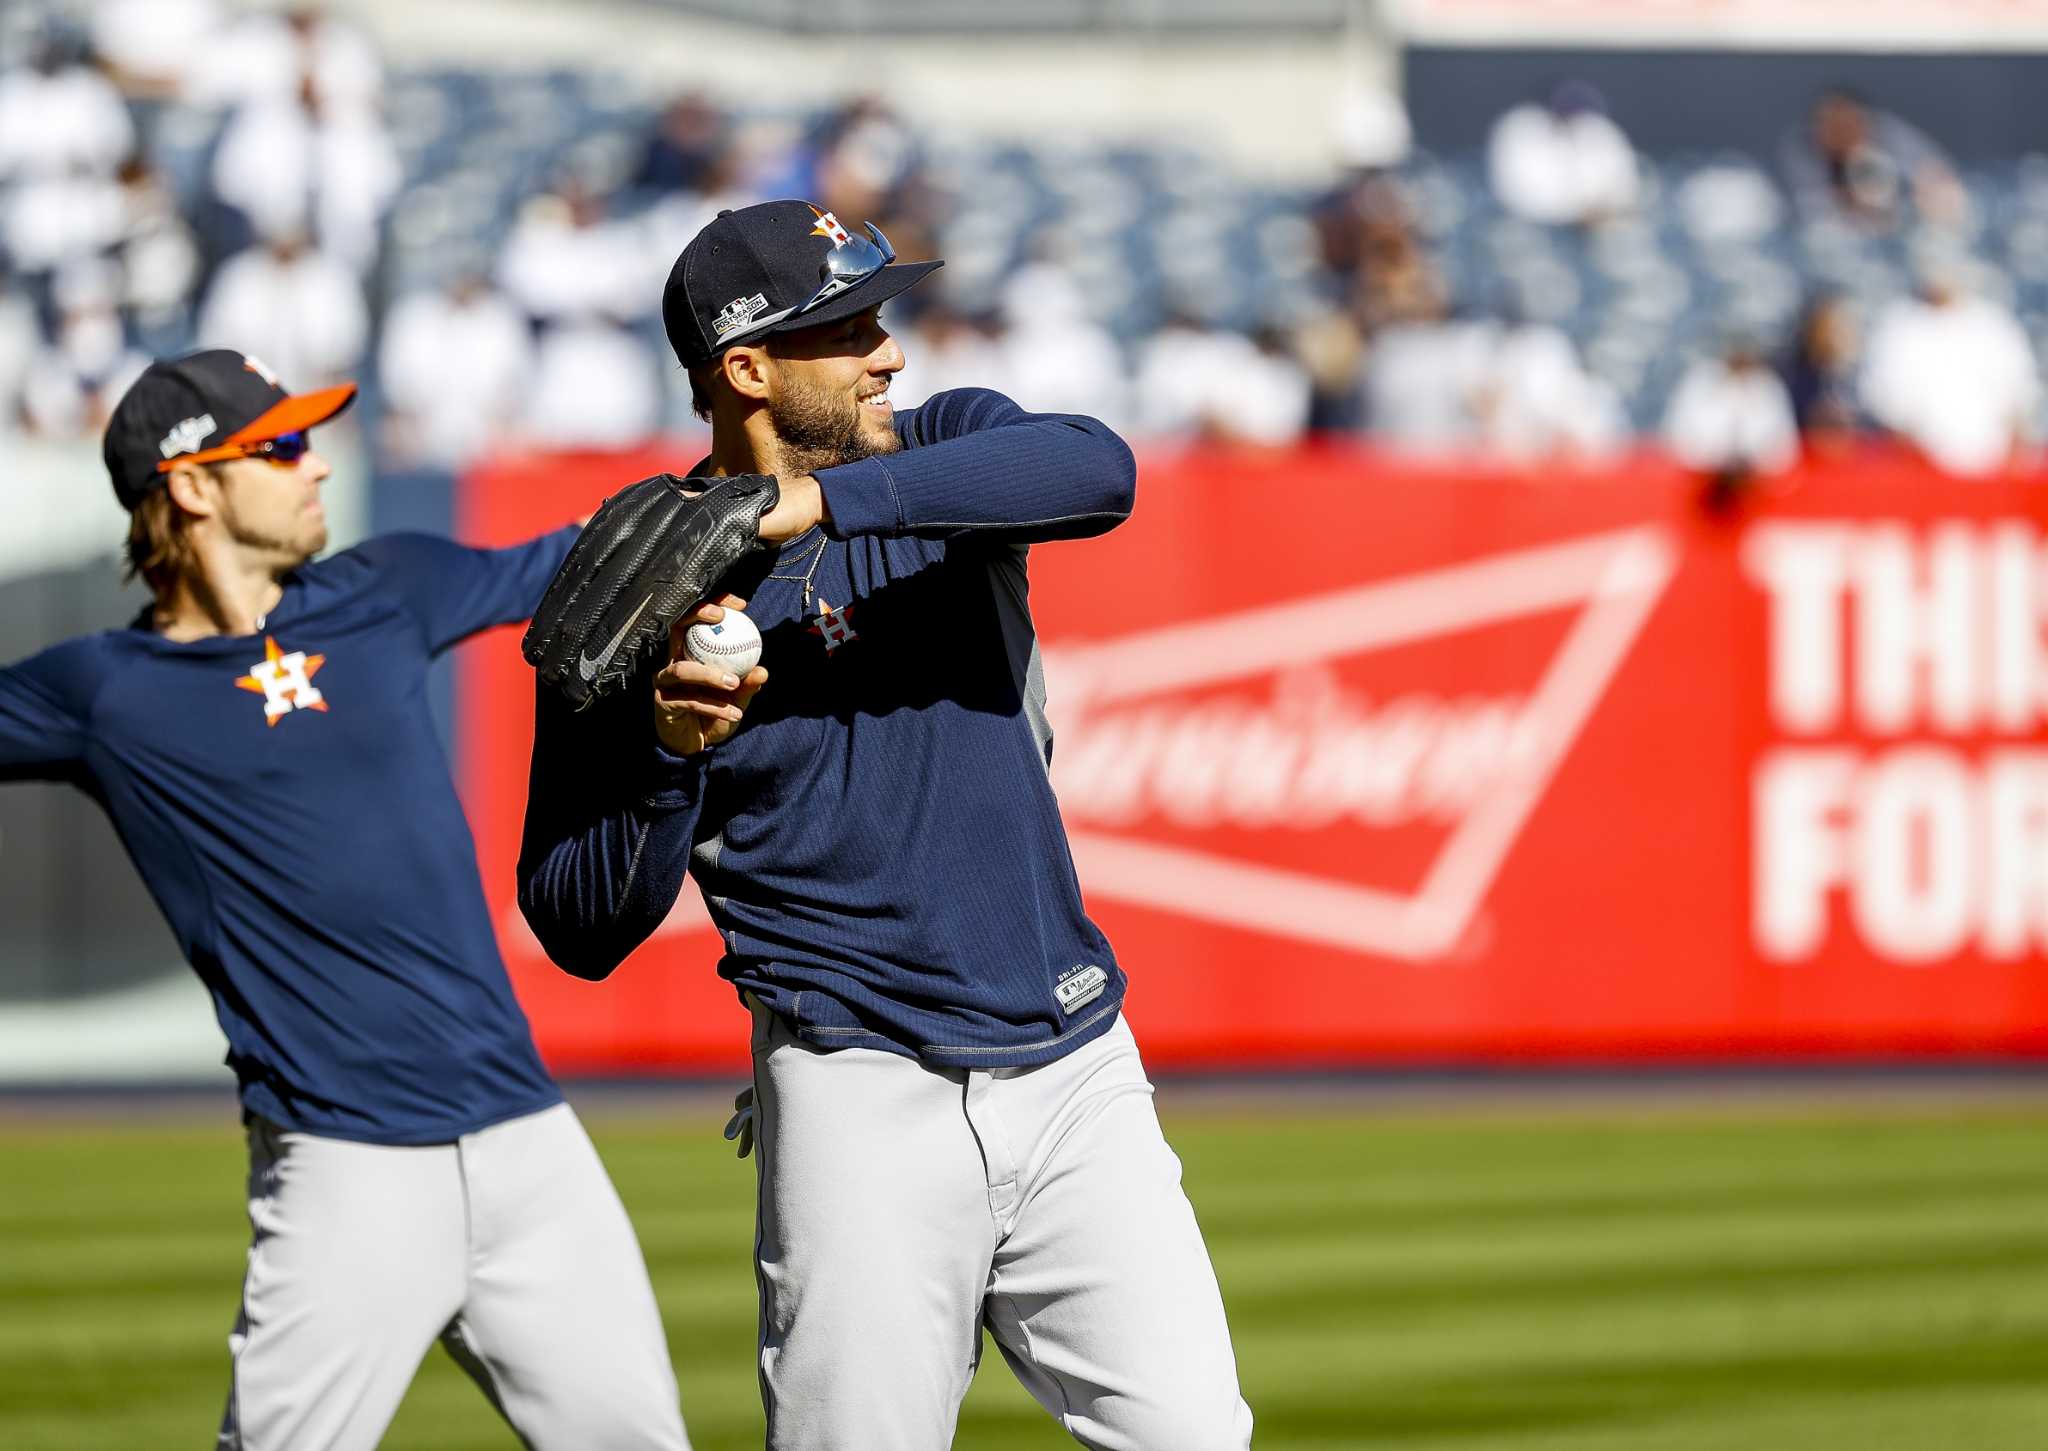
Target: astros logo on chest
point(284, 681)
point(835, 626)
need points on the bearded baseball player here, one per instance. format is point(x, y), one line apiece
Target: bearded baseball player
point(954, 1126)
point(260, 736)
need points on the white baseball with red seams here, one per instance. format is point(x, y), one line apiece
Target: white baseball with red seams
point(734, 642)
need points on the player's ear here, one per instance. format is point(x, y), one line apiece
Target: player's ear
point(746, 372)
point(194, 488)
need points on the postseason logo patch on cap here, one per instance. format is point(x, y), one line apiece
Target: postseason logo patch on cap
point(186, 437)
point(738, 315)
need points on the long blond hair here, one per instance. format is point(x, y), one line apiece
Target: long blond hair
point(160, 548)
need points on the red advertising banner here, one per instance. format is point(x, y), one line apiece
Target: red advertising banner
point(1366, 762)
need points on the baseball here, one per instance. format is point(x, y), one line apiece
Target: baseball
point(734, 642)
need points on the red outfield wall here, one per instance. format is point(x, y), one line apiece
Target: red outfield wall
point(1367, 763)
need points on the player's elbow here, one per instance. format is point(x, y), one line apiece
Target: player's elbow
point(1115, 471)
point(572, 945)
point(588, 965)
point(581, 955)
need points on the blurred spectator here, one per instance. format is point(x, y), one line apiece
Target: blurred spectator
point(1821, 379)
point(1729, 201)
point(1195, 380)
point(299, 309)
point(1426, 373)
point(1868, 167)
point(566, 259)
point(1363, 224)
point(1331, 350)
point(76, 379)
point(60, 118)
point(158, 255)
point(594, 386)
point(1373, 132)
point(1185, 377)
point(456, 364)
point(53, 219)
point(861, 162)
point(1055, 357)
point(269, 55)
point(688, 141)
point(1437, 383)
point(151, 47)
point(1274, 397)
point(1564, 160)
point(1535, 401)
point(1398, 285)
point(1731, 417)
point(851, 161)
point(667, 226)
point(302, 164)
point(1381, 276)
point(20, 338)
point(306, 155)
point(1954, 373)
point(947, 349)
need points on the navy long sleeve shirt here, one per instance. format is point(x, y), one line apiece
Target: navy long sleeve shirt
point(878, 843)
point(288, 803)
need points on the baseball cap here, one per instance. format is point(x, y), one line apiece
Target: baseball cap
point(202, 401)
point(773, 267)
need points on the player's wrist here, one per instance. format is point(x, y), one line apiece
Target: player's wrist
point(673, 774)
point(800, 508)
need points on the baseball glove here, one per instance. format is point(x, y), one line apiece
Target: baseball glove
point(650, 554)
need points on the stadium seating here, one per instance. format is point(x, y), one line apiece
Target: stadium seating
point(1716, 248)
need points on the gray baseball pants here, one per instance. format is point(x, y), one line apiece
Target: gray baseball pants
point(903, 1207)
point(509, 1246)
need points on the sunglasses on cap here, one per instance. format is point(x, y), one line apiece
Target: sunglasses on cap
point(284, 451)
point(853, 261)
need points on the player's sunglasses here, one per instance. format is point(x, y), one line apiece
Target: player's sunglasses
point(285, 450)
point(854, 260)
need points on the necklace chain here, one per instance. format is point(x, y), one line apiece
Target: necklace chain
point(804, 579)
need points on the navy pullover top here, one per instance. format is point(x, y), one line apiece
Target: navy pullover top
point(878, 843)
point(289, 805)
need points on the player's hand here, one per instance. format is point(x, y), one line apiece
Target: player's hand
point(742, 1125)
point(799, 505)
point(698, 705)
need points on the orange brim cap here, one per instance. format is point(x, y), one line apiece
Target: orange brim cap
point(295, 414)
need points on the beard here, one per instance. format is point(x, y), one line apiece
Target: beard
point(290, 545)
point(819, 430)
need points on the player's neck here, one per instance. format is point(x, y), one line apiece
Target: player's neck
point(744, 446)
point(752, 446)
point(227, 595)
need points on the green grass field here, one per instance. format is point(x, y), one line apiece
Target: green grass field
point(1642, 1276)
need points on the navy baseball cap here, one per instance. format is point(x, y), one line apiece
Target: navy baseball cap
point(773, 267)
point(207, 405)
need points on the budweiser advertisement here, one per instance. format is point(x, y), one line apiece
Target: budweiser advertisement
point(1365, 762)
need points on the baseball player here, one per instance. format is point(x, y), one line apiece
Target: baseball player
point(954, 1126)
point(260, 736)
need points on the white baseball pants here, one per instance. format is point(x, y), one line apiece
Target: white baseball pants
point(903, 1207)
point(510, 1246)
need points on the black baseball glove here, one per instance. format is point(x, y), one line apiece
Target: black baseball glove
point(651, 553)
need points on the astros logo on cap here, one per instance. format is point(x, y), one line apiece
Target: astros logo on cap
point(828, 226)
